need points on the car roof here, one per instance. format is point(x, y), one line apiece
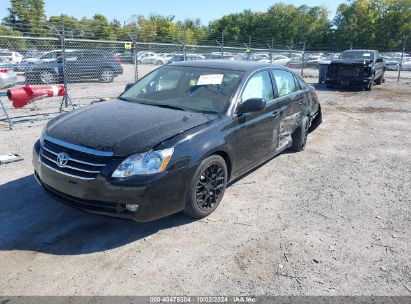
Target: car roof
point(244, 66)
point(360, 50)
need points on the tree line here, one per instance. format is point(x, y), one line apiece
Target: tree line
point(380, 24)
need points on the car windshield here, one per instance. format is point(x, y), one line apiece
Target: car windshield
point(186, 88)
point(357, 55)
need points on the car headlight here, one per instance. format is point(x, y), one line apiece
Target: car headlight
point(144, 163)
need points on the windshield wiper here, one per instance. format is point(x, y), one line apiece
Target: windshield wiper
point(125, 99)
point(167, 106)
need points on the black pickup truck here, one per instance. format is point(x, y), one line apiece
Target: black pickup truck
point(356, 68)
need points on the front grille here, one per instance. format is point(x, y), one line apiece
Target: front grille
point(80, 164)
point(345, 71)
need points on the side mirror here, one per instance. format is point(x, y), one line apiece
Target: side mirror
point(251, 105)
point(379, 60)
point(128, 85)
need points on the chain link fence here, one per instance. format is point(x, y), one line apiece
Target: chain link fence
point(92, 69)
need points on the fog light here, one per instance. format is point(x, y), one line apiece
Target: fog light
point(132, 208)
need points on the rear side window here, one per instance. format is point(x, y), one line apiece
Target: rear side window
point(258, 86)
point(286, 82)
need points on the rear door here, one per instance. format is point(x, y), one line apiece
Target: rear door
point(291, 99)
point(74, 65)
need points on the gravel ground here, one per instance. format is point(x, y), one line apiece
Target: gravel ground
point(332, 220)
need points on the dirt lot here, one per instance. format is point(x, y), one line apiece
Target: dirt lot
point(332, 220)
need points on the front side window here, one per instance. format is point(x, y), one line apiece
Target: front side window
point(188, 88)
point(258, 86)
point(286, 83)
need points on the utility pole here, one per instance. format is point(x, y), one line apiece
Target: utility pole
point(222, 45)
point(402, 58)
point(302, 60)
point(66, 98)
point(271, 47)
point(249, 47)
point(134, 38)
point(184, 44)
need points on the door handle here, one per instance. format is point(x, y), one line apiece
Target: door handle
point(276, 114)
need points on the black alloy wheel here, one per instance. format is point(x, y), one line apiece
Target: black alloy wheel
point(207, 187)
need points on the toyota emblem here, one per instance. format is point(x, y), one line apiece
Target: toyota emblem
point(62, 159)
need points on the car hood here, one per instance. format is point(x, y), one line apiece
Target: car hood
point(123, 127)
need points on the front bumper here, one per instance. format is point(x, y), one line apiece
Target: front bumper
point(348, 82)
point(157, 196)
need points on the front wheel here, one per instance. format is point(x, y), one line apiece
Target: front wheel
point(207, 187)
point(380, 80)
point(299, 137)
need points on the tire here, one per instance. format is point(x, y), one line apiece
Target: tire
point(47, 77)
point(107, 75)
point(380, 80)
point(370, 84)
point(299, 136)
point(207, 187)
point(316, 121)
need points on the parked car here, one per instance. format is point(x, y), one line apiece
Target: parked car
point(10, 57)
point(189, 57)
point(175, 138)
point(164, 58)
point(406, 64)
point(84, 64)
point(126, 57)
point(392, 63)
point(148, 58)
point(277, 59)
point(8, 77)
point(215, 55)
point(45, 57)
point(356, 68)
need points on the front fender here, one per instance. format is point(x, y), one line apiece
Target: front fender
point(193, 146)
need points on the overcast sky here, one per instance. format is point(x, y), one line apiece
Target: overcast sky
point(206, 10)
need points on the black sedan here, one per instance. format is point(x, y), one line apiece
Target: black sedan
point(173, 140)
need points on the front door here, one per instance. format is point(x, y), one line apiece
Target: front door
point(257, 135)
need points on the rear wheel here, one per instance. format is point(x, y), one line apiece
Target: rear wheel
point(316, 121)
point(207, 187)
point(107, 75)
point(47, 77)
point(299, 137)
